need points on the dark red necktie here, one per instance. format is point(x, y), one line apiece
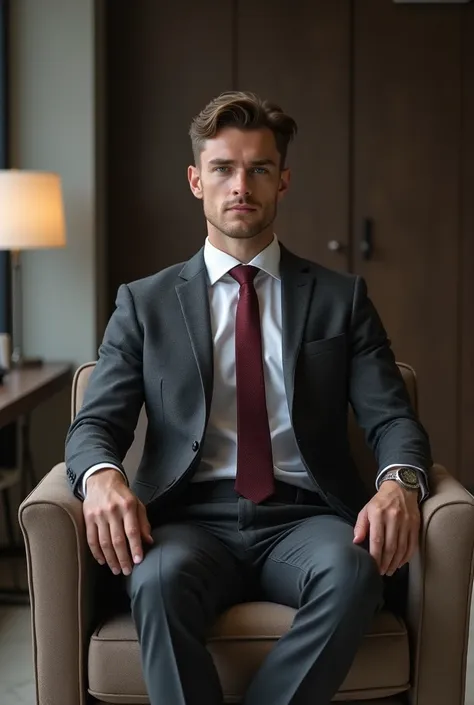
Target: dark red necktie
point(254, 448)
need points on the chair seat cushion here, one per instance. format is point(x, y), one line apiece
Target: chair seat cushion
point(239, 642)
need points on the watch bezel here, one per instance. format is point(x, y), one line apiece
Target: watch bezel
point(415, 485)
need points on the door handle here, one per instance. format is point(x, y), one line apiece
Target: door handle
point(335, 246)
point(367, 242)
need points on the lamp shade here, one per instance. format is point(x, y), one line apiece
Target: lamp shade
point(31, 210)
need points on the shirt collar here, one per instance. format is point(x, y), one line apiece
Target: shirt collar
point(219, 263)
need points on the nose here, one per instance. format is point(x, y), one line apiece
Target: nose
point(240, 186)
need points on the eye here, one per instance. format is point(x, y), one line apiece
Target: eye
point(221, 169)
point(260, 170)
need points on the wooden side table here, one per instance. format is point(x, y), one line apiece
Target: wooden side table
point(22, 391)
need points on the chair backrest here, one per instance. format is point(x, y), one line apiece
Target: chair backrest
point(361, 453)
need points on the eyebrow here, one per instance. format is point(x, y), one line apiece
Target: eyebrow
point(230, 162)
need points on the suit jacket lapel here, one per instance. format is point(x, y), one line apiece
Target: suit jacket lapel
point(297, 283)
point(194, 300)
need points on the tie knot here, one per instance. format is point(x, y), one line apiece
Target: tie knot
point(244, 273)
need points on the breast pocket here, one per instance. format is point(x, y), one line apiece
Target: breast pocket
point(335, 344)
point(321, 377)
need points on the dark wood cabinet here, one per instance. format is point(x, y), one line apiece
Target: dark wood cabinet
point(384, 98)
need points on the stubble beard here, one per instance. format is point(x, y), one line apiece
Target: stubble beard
point(240, 231)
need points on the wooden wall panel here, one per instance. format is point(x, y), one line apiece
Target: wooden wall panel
point(466, 283)
point(297, 54)
point(407, 111)
point(163, 67)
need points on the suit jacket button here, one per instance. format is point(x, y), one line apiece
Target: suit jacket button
point(195, 446)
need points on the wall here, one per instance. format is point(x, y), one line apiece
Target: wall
point(52, 122)
point(52, 129)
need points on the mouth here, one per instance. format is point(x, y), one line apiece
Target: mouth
point(242, 209)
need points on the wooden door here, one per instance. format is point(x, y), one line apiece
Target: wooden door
point(297, 54)
point(406, 177)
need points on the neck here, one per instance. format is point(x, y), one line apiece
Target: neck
point(243, 249)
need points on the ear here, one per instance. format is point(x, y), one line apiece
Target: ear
point(194, 178)
point(285, 178)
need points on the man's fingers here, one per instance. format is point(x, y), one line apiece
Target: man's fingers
point(145, 527)
point(93, 541)
point(362, 526)
point(116, 521)
point(377, 538)
point(401, 550)
point(394, 522)
point(106, 545)
point(120, 543)
point(413, 541)
point(133, 532)
point(392, 529)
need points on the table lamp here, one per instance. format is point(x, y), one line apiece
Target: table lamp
point(31, 217)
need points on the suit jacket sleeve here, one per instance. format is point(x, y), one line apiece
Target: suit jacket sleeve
point(378, 394)
point(104, 428)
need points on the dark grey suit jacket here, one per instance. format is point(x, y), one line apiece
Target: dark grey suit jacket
point(158, 350)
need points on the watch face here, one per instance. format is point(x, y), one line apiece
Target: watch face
point(409, 476)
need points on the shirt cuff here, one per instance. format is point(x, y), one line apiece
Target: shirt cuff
point(96, 468)
point(422, 478)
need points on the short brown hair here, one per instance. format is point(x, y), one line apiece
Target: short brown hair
point(246, 111)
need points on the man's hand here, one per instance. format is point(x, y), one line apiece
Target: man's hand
point(392, 520)
point(116, 521)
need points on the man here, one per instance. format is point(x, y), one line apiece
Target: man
point(247, 358)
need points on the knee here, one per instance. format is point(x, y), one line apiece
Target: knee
point(353, 576)
point(162, 576)
point(368, 578)
point(356, 572)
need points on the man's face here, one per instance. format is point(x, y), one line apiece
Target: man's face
point(240, 181)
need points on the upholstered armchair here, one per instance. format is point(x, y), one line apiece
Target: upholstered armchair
point(85, 644)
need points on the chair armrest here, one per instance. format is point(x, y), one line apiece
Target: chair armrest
point(59, 560)
point(439, 593)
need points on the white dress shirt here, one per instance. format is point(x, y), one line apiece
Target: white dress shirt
point(219, 450)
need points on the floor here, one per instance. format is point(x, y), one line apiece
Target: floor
point(16, 664)
point(16, 660)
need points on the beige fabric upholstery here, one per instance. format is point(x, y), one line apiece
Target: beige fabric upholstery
point(240, 641)
point(75, 650)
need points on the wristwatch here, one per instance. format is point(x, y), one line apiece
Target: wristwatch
point(406, 477)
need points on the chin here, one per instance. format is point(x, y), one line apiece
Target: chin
point(238, 230)
point(242, 230)
point(239, 234)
